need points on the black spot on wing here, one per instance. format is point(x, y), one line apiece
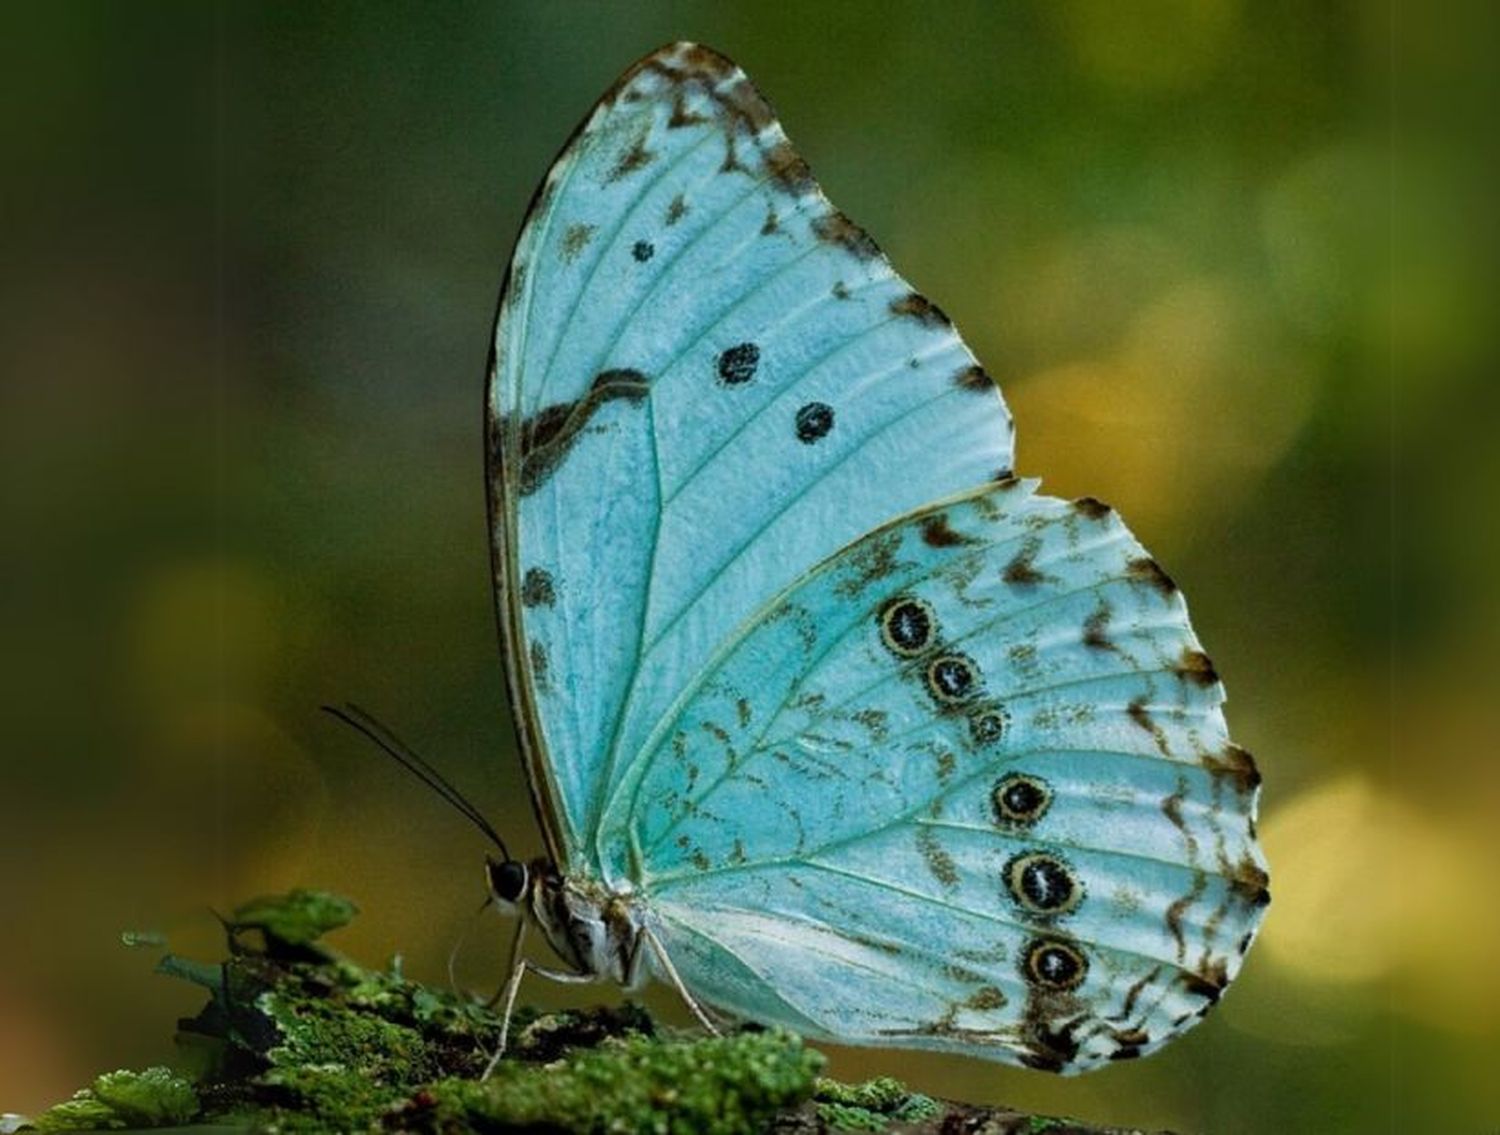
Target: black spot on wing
point(987, 726)
point(952, 678)
point(737, 365)
point(1042, 884)
point(814, 421)
point(1053, 964)
point(907, 626)
point(1020, 799)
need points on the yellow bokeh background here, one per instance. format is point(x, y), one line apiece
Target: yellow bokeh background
point(244, 321)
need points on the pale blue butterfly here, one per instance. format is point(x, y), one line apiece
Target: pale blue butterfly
point(815, 750)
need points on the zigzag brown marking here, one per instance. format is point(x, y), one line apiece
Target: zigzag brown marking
point(788, 170)
point(1137, 712)
point(1132, 995)
point(974, 378)
point(681, 116)
point(872, 562)
point(1147, 571)
point(1250, 882)
point(1021, 570)
point(917, 306)
point(547, 436)
point(835, 228)
point(1209, 984)
point(938, 533)
point(938, 861)
point(1194, 667)
point(1096, 629)
point(741, 110)
point(1234, 765)
point(635, 158)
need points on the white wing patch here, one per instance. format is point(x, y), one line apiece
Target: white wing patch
point(706, 380)
point(980, 748)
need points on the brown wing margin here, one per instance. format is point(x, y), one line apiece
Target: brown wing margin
point(498, 499)
point(502, 484)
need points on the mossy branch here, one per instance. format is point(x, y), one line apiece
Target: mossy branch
point(294, 1039)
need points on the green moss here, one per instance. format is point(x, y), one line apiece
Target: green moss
point(872, 1105)
point(718, 1085)
point(296, 1040)
point(331, 1035)
point(154, 1098)
point(1038, 1123)
point(297, 918)
point(325, 1098)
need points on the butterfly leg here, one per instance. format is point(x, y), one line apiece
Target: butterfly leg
point(520, 967)
point(650, 938)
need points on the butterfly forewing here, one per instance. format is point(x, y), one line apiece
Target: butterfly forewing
point(706, 380)
point(979, 754)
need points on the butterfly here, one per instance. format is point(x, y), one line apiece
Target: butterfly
point(830, 721)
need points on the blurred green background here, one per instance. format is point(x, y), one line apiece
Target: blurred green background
point(250, 264)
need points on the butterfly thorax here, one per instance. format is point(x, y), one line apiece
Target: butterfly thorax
point(592, 929)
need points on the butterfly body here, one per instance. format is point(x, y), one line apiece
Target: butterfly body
point(830, 721)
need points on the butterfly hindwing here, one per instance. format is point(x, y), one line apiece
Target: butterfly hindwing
point(967, 785)
point(706, 379)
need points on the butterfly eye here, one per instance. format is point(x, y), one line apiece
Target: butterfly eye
point(507, 880)
point(1020, 799)
point(907, 626)
point(1054, 965)
point(952, 678)
point(1042, 884)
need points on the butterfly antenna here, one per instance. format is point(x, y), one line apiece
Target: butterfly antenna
point(400, 752)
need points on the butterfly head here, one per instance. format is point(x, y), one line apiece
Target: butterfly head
point(508, 879)
point(513, 883)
